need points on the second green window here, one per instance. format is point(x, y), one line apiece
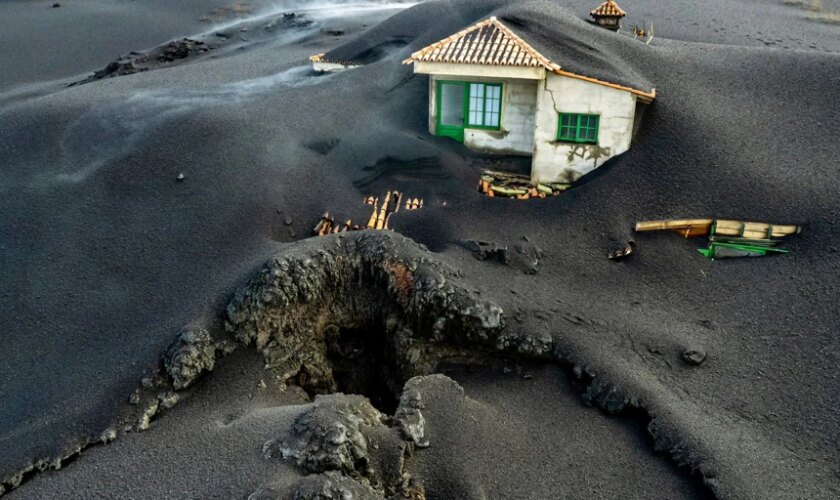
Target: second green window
point(576, 127)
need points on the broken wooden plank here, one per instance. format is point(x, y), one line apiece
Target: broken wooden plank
point(517, 186)
point(508, 191)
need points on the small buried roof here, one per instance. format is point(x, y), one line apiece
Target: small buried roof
point(608, 9)
point(321, 58)
point(491, 43)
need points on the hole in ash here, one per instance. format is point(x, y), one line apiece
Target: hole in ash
point(364, 313)
point(364, 362)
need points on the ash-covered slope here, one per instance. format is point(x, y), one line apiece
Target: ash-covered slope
point(42, 42)
point(106, 256)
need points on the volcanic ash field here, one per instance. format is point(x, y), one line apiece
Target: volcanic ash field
point(174, 327)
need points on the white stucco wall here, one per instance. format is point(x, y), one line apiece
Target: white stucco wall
point(519, 111)
point(566, 162)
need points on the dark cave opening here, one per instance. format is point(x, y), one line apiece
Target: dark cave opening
point(364, 362)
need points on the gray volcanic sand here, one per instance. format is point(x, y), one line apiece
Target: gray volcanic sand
point(487, 440)
point(490, 440)
point(209, 446)
point(44, 43)
point(105, 256)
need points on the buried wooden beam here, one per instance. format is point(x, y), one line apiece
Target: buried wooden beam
point(687, 227)
point(380, 217)
point(699, 227)
point(321, 223)
point(380, 220)
point(372, 221)
point(399, 203)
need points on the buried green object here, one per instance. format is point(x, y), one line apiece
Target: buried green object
point(728, 238)
point(719, 250)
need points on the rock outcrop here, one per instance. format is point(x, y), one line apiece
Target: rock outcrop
point(344, 443)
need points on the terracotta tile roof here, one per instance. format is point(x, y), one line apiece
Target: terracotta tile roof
point(322, 58)
point(489, 42)
point(608, 8)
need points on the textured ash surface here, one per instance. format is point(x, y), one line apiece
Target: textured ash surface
point(105, 257)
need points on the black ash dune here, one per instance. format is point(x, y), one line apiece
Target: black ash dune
point(106, 256)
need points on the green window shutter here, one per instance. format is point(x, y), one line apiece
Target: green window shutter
point(576, 127)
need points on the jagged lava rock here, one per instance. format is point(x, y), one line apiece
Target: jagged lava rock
point(191, 354)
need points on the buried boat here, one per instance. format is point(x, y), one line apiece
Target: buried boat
point(728, 238)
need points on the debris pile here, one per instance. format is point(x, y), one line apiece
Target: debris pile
point(351, 450)
point(728, 238)
point(623, 252)
point(327, 225)
point(517, 186)
point(379, 219)
point(137, 62)
point(180, 49)
point(524, 256)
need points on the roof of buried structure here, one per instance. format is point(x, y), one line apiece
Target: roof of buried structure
point(322, 63)
point(488, 42)
point(608, 9)
point(491, 43)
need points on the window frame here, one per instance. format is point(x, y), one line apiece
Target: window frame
point(467, 123)
point(577, 128)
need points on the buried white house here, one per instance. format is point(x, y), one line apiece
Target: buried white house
point(494, 92)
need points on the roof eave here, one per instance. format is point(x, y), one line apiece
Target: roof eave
point(645, 97)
